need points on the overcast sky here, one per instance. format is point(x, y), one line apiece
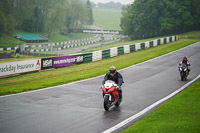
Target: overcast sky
point(124, 2)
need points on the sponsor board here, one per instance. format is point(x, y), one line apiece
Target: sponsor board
point(46, 63)
point(62, 61)
point(19, 67)
point(96, 31)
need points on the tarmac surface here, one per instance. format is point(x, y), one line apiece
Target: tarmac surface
point(78, 107)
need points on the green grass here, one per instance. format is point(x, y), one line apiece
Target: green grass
point(73, 36)
point(20, 58)
point(107, 19)
point(193, 34)
point(78, 72)
point(9, 42)
point(181, 114)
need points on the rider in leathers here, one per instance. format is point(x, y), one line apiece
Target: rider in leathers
point(116, 77)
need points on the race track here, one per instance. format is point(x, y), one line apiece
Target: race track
point(78, 107)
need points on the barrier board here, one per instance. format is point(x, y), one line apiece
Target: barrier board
point(10, 68)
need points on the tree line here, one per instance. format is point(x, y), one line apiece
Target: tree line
point(151, 18)
point(43, 16)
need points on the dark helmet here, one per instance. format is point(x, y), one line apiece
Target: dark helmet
point(185, 58)
point(112, 70)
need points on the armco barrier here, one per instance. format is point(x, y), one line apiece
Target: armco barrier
point(87, 57)
point(62, 61)
point(147, 45)
point(142, 45)
point(106, 54)
point(161, 40)
point(155, 43)
point(132, 48)
point(170, 39)
point(158, 42)
point(113, 52)
point(151, 44)
point(120, 50)
point(167, 39)
point(126, 49)
point(97, 55)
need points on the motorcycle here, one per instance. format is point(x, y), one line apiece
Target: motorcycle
point(110, 94)
point(183, 71)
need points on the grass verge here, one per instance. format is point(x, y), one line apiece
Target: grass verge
point(64, 75)
point(103, 20)
point(178, 115)
point(19, 58)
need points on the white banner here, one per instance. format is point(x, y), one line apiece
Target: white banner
point(100, 31)
point(19, 67)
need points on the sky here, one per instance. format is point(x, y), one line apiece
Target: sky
point(124, 2)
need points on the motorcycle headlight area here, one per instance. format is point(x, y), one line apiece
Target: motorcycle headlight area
point(108, 85)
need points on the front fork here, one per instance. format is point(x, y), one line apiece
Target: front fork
point(110, 97)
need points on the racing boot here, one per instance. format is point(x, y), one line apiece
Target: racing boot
point(120, 94)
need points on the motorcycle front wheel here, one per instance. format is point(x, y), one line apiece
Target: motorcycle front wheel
point(106, 103)
point(182, 75)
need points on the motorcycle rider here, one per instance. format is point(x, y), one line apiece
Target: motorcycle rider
point(186, 62)
point(116, 77)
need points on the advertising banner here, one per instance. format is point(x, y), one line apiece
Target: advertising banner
point(117, 32)
point(19, 67)
point(61, 61)
point(47, 63)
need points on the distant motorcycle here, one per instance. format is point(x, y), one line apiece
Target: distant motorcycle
point(110, 95)
point(183, 71)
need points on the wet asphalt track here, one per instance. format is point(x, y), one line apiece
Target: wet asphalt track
point(78, 107)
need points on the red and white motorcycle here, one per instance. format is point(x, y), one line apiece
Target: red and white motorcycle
point(183, 71)
point(110, 94)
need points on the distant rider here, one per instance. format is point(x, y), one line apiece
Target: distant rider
point(186, 62)
point(116, 77)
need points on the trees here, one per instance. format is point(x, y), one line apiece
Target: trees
point(78, 13)
point(126, 19)
point(90, 19)
point(7, 21)
point(2, 23)
point(150, 18)
point(56, 19)
point(45, 16)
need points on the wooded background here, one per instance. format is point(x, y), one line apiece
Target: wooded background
point(43, 16)
point(150, 18)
